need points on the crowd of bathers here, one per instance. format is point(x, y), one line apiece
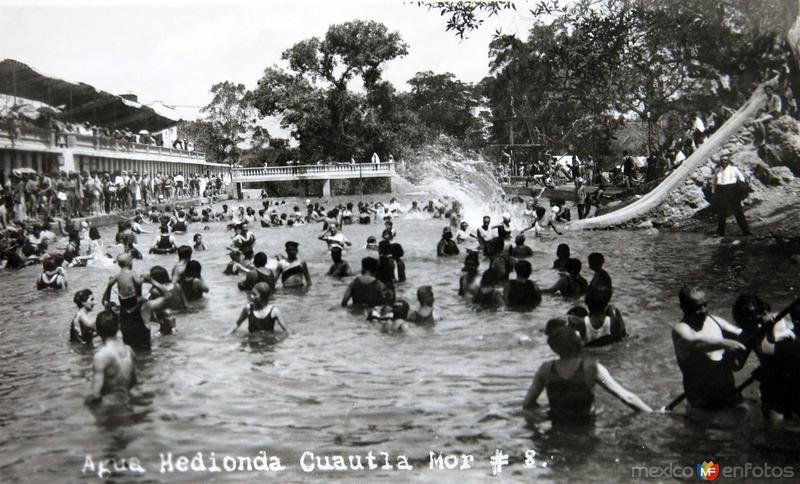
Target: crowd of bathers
point(704, 344)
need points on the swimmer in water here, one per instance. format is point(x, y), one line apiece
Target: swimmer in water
point(235, 266)
point(520, 250)
point(184, 256)
point(259, 273)
point(483, 233)
point(469, 282)
point(260, 315)
point(570, 380)
point(372, 243)
point(570, 282)
point(340, 268)
point(562, 257)
point(425, 313)
point(463, 232)
point(601, 282)
point(81, 328)
point(334, 238)
point(447, 246)
point(365, 289)
point(165, 242)
point(522, 293)
point(113, 368)
point(600, 324)
point(198, 242)
point(52, 277)
point(129, 290)
point(292, 271)
point(388, 314)
point(165, 296)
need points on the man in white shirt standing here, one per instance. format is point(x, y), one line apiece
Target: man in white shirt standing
point(728, 195)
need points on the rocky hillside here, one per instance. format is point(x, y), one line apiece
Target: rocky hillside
point(774, 172)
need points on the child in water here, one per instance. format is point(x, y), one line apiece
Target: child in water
point(391, 313)
point(235, 266)
point(53, 276)
point(198, 242)
point(114, 371)
point(425, 314)
point(570, 380)
point(260, 315)
point(165, 296)
point(81, 328)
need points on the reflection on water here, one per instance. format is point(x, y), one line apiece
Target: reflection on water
point(338, 385)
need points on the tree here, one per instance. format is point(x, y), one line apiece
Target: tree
point(445, 104)
point(230, 119)
point(313, 98)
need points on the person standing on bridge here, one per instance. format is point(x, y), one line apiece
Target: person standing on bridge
point(728, 187)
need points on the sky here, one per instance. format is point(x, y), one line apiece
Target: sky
point(174, 50)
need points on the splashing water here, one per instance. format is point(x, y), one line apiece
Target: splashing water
point(473, 185)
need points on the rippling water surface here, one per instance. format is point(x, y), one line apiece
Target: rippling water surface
point(338, 385)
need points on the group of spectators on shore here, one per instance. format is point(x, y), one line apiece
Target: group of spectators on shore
point(27, 194)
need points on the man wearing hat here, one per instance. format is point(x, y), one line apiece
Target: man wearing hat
point(292, 271)
point(726, 188)
point(706, 357)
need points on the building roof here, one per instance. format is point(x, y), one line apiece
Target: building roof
point(80, 102)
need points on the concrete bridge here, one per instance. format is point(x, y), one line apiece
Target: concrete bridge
point(302, 175)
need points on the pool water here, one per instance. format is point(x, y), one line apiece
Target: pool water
point(339, 386)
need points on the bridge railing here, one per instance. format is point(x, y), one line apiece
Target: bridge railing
point(321, 171)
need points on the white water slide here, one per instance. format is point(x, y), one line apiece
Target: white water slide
point(657, 195)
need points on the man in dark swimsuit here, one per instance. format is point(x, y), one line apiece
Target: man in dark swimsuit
point(340, 268)
point(365, 289)
point(259, 274)
point(522, 293)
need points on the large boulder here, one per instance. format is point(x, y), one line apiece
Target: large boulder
point(784, 144)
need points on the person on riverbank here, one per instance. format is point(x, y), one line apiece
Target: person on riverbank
point(778, 351)
point(522, 293)
point(81, 327)
point(705, 355)
point(292, 271)
point(727, 189)
point(260, 314)
point(113, 371)
point(570, 380)
point(365, 289)
point(340, 268)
